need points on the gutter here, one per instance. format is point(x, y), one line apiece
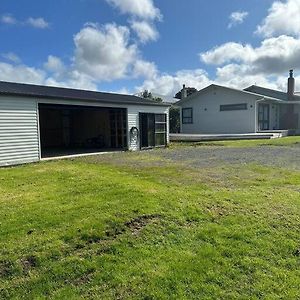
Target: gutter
point(74, 99)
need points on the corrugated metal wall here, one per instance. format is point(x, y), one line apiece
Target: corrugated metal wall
point(19, 141)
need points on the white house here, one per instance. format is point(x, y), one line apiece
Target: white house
point(221, 110)
point(37, 122)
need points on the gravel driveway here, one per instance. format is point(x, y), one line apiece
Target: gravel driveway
point(280, 156)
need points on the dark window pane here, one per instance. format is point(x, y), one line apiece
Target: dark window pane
point(160, 118)
point(187, 115)
point(229, 107)
point(160, 139)
point(160, 127)
point(187, 112)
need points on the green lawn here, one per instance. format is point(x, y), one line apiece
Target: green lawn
point(95, 228)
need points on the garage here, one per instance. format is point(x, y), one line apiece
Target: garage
point(69, 129)
point(41, 122)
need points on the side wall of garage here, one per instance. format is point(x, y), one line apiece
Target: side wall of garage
point(19, 125)
point(133, 121)
point(19, 139)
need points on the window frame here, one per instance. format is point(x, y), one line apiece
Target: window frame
point(183, 119)
point(234, 107)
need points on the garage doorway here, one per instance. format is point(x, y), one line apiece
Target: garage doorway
point(69, 129)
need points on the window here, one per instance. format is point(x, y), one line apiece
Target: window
point(160, 129)
point(229, 107)
point(153, 128)
point(187, 116)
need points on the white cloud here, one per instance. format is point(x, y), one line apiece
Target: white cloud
point(283, 18)
point(21, 73)
point(72, 79)
point(241, 76)
point(273, 56)
point(237, 17)
point(54, 64)
point(144, 9)
point(104, 53)
point(241, 65)
point(227, 52)
point(170, 84)
point(26, 74)
point(11, 57)
point(39, 23)
point(8, 19)
point(142, 68)
point(145, 31)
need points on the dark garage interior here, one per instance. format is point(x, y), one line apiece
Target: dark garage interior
point(70, 129)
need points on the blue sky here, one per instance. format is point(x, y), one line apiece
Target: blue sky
point(131, 45)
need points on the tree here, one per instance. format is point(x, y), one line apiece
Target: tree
point(157, 99)
point(189, 91)
point(174, 115)
point(148, 95)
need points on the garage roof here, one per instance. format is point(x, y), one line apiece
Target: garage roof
point(40, 91)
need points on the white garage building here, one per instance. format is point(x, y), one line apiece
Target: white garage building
point(39, 122)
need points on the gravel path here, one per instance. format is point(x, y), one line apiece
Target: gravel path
point(280, 156)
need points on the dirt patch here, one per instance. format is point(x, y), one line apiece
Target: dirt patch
point(6, 269)
point(137, 224)
point(86, 278)
point(29, 263)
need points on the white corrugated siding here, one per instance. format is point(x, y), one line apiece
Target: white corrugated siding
point(133, 121)
point(19, 141)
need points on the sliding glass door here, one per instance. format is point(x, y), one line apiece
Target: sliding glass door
point(153, 130)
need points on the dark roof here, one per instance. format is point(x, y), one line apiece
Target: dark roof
point(31, 90)
point(270, 93)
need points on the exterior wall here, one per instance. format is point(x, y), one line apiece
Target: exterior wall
point(208, 119)
point(19, 126)
point(19, 139)
point(290, 116)
point(133, 121)
point(297, 111)
point(132, 115)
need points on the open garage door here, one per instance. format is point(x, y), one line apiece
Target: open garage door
point(70, 129)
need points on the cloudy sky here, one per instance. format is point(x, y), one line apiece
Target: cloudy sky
point(127, 46)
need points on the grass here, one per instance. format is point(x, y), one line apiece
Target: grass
point(95, 228)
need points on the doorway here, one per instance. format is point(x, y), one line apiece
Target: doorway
point(153, 130)
point(70, 129)
point(264, 117)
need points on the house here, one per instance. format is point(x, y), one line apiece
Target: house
point(38, 122)
point(221, 110)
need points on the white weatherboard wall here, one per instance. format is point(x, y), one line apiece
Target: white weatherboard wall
point(208, 119)
point(19, 129)
point(133, 120)
point(132, 115)
point(19, 141)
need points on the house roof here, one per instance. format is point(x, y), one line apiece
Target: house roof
point(256, 91)
point(270, 93)
point(40, 91)
point(215, 86)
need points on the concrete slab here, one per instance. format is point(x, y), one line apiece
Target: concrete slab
point(180, 137)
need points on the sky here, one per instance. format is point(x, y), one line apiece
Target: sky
point(127, 46)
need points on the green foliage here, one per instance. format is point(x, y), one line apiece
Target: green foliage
point(189, 90)
point(148, 95)
point(137, 226)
